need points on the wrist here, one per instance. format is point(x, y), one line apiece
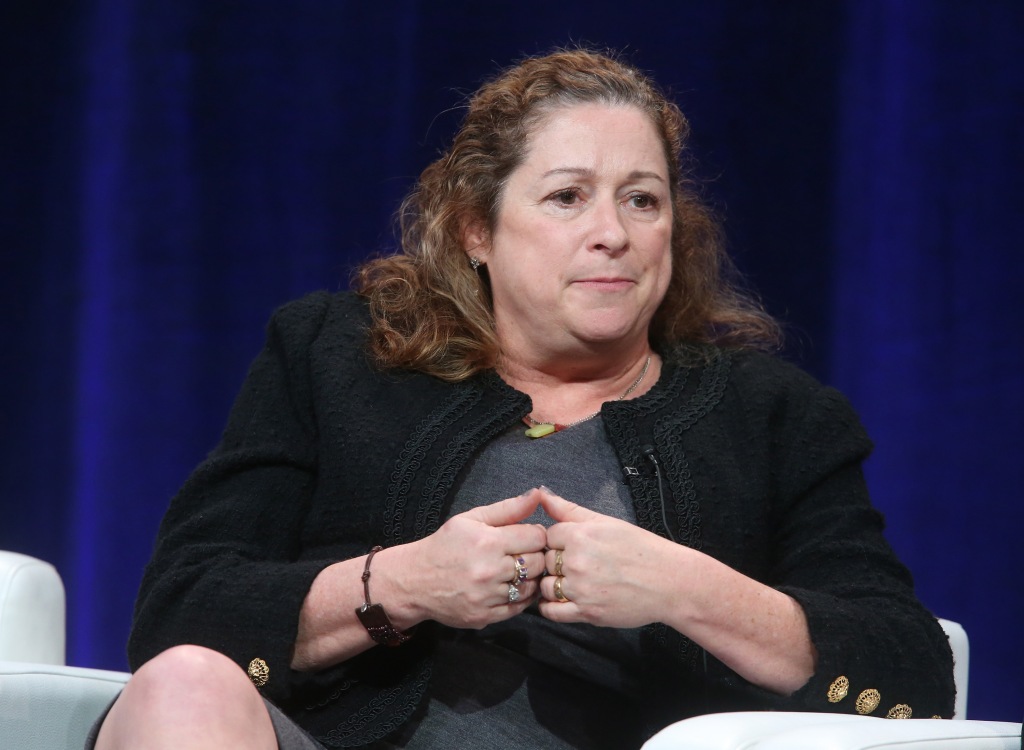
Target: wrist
point(372, 614)
point(679, 594)
point(392, 585)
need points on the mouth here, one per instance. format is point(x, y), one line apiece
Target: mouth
point(605, 283)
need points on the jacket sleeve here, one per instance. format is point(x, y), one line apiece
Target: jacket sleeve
point(224, 573)
point(879, 651)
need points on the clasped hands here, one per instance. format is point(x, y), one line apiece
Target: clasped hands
point(485, 565)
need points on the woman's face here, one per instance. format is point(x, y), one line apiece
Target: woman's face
point(579, 258)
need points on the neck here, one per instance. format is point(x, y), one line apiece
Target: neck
point(569, 389)
point(572, 363)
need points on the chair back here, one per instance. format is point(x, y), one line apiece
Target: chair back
point(31, 610)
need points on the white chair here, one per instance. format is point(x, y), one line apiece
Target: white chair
point(52, 707)
point(44, 705)
point(31, 610)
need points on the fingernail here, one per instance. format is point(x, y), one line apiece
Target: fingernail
point(545, 488)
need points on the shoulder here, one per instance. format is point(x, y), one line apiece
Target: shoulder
point(751, 373)
point(319, 315)
point(321, 308)
point(770, 375)
point(768, 391)
point(795, 405)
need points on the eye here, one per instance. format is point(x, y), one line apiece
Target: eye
point(567, 197)
point(642, 201)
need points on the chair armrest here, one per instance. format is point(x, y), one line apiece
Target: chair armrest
point(49, 707)
point(733, 731)
point(961, 649)
point(31, 610)
point(813, 731)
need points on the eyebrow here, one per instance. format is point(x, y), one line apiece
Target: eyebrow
point(584, 172)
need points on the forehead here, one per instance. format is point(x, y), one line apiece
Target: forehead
point(595, 135)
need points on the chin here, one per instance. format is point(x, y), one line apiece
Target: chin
point(599, 335)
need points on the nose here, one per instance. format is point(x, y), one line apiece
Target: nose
point(608, 231)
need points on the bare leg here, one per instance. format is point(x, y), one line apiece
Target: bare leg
point(191, 698)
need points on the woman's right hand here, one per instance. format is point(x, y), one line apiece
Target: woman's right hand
point(459, 575)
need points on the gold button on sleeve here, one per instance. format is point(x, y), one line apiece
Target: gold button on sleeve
point(899, 711)
point(868, 701)
point(258, 672)
point(838, 689)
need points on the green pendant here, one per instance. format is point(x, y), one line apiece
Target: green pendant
point(540, 430)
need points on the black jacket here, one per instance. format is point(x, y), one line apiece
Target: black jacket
point(324, 456)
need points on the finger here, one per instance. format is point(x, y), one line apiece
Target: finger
point(559, 538)
point(560, 612)
point(569, 536)
point(552, 586)
point(505, 512)
point(551, 562)
point(519, 539)
point(513, 596)
point(535, 563)
point(561, 509)
point(532, 564)
point(520, 570)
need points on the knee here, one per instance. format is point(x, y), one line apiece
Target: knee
point(185, 693)
point(191, 673)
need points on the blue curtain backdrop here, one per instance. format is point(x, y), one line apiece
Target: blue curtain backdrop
point(172, 170)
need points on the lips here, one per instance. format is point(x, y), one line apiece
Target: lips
point(608, 283)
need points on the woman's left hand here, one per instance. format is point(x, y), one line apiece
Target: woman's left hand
point(619, 575)
point(612, 573)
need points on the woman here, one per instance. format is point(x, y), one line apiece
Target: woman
point(343, 561)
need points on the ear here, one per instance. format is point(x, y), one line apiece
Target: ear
point(476, 239)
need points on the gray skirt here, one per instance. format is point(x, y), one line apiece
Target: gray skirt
point(290, 736)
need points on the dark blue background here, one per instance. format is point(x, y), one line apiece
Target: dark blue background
point(172, 170)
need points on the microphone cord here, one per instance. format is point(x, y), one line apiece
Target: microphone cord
point(648, 451)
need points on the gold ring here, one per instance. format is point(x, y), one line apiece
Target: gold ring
point(521, 570)
point(558, 562)
point(559, 594)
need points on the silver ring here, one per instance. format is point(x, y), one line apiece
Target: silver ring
point(513, 594)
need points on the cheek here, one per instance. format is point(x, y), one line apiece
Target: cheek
point(664, 264)
point(661, 251)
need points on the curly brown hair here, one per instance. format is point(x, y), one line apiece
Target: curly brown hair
point(431, 311)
